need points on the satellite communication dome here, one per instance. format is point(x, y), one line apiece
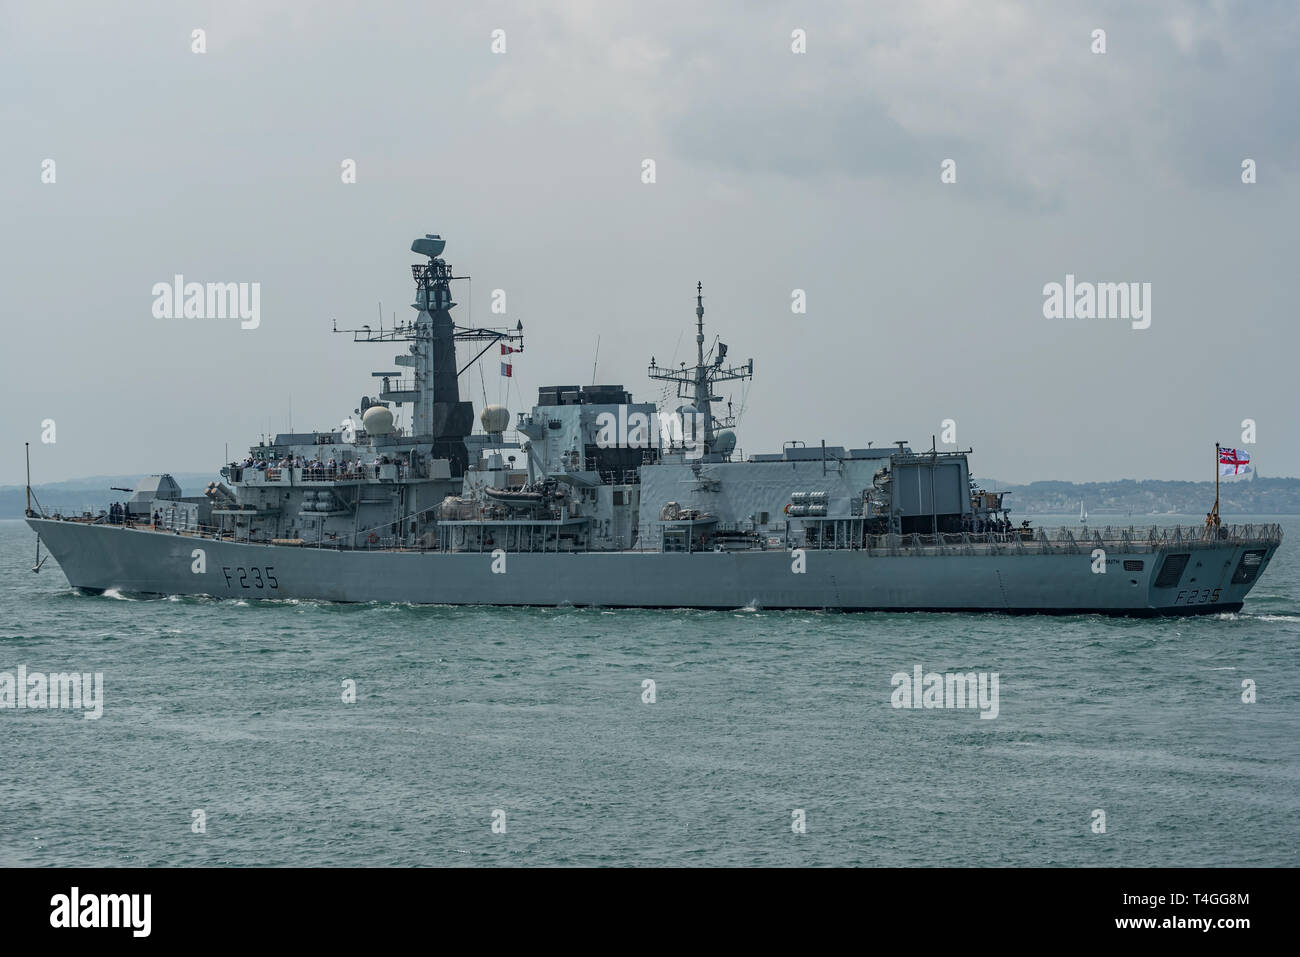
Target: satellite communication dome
point(377, 420)
point(724, 442)
point(495, 418)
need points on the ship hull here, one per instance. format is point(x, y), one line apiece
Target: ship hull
point(142, 561)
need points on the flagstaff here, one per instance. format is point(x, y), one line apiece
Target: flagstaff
point(1227, 462)
point(1214, 515)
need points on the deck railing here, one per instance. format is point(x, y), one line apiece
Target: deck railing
point(349, 472)
point(1080, 539)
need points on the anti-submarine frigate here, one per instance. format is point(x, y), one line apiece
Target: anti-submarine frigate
point(593, 499)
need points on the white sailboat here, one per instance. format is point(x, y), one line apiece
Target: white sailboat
point(1083, 512)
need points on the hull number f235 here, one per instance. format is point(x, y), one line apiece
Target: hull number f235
point(250, 577)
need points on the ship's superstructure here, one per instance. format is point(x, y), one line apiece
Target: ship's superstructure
point(370, 482)
point(594, 498)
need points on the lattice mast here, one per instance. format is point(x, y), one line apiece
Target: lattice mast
point(697, 384)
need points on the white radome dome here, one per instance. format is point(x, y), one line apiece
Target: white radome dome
point(495, 418)
point(377, 420)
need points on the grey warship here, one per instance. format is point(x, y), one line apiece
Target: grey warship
point(593, 499)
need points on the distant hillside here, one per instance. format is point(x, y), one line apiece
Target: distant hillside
point(1257, 496)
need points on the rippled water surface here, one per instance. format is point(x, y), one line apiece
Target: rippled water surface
point(236, 709)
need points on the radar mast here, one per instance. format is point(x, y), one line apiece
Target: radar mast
point(697, 384)
point(433, 388)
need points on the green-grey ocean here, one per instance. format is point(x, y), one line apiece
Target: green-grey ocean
point(488, 736)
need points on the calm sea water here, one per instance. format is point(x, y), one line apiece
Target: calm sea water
point(236, 709)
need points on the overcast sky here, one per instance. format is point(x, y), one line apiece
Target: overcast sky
point(775, 171)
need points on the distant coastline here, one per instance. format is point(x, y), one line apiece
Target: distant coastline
point(1119, 499)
